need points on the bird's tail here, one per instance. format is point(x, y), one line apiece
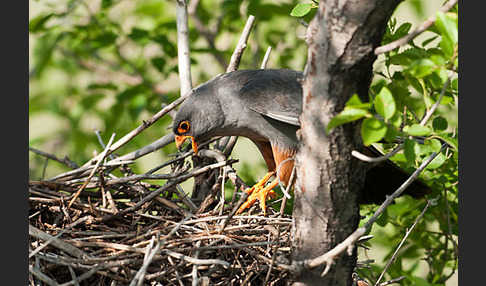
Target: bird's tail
point(384, 178)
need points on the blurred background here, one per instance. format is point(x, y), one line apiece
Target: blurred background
point(106, 65)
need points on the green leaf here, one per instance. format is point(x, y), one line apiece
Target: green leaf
point(383, 219)
point(109, 86)
point(409, 150)
point(421, 68)
point(437, 162)
point(448, 29)
point(385, 104)
point(349, 114)
point(449, 140)
point(158, 63)
point(391, 133)
point(432, 145)
point(168, 47)
point(355, 102)
point(139, 35)
point(104, 39)
point(428, 41)
point(106, 3)
point(402, 30)
point(439, 123)
point(372, 130)
point(301, 9)
point(417, 130)
point(37, 23)
point(447, 26)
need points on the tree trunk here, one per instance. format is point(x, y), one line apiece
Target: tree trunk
point(341, 40)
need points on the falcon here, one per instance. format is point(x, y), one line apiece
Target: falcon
point(264, 106)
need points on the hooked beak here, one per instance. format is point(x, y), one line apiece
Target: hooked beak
point(179, 140)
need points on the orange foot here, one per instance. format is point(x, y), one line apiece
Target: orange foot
point(259, 191)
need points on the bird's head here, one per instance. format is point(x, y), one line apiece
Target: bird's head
point(198, 118)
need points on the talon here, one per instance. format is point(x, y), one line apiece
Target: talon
point(260, 192)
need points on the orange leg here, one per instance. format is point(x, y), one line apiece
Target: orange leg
point(260, 192)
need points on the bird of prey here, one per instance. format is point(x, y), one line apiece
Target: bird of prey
point(264, 105)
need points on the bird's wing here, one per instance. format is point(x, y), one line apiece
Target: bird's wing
point(274, 93)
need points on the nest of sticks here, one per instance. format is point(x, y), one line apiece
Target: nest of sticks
point(90, 227)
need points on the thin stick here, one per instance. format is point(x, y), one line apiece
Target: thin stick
point(168, 185)
point(100, 140)
point(368, 159)
point(236, 56)
point(44, 278)
point(266, 57)
point(233, 66)
point(65, 160)
point(436, 104)
point(53, 240)
point(193, 260)
point(183, 53)
point(395, 254)
point(145, 124)
point(103, 155)
point(284, 199)
point(194, 267)
point(404, 40)
point(396, 280)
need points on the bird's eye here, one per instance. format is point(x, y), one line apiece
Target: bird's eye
point(184, 127)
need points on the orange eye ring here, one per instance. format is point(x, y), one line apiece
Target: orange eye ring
point(184, 127)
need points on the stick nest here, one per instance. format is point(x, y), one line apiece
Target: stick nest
point(113, 235)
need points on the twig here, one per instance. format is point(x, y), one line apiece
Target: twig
point(168, 185)
point(103, 155)
point(436, 104)
point(287, 190)
point(145, 124)
point(274, 255)
point(84, 171)
point(193, 260)
point(65, 160)
point(233, 66)
point(284, 190)
point(404, 40)
point(183, 53)
point(53, 240)
point(149, 255)
point(44, 278)
point(73, 275)
point(395, 254)
point(236, 56)
point(266, 57)
point(396, 280)
point(368, 159)
point(194, 267)
point(100, 140)
point(348, 243)
point(83, 276)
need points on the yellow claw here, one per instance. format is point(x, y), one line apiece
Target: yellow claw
point(260, 192)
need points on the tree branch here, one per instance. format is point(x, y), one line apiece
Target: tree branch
point(422, 28)
point(183, 53)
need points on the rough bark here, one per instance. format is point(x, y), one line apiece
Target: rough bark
point(341, 40)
